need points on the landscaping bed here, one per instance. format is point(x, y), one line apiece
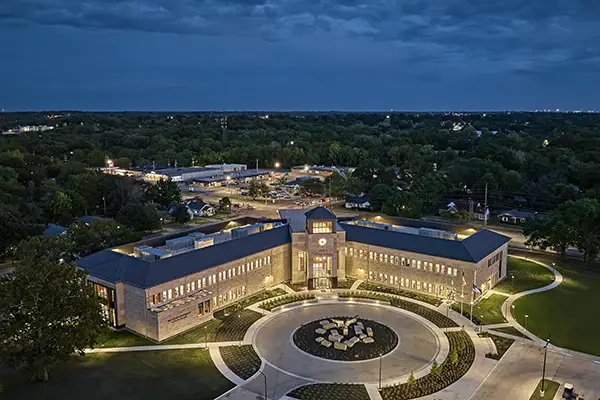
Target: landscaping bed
point(435, 317)
point(333, 391)
point(283, 300)
point(242, 360)
point(296, 287)
point(510, 330)
point(385, 340)
point(458, 362)
point(406, 293)
point(255, 298)
point(502, 344)
point(347, 284)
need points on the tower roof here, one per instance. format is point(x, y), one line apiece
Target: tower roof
point(320, 212)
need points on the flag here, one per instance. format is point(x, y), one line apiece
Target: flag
point(476, 289)
point(464, 282)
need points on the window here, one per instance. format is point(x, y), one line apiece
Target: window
point(187, 287)
point(170, 294)
point(181, 292)
point(430, 288)
point(370, 255)
point(193, 286)
point(243, 268)
point(301, 261)
point(443, 269)
point(243, 290)
point(455, 271)
point(203, 282)
point(269, 259)
point(392, 280)
point(402, 262)
point(345, 250)
point(322, 227)
point(214, 278)
point(153, 299)
point(401, 281)
point(419, 264)
point(449, 270)
point(414, 263)
point(395, 280)
point(385, 258)
point(370, 275)
point(425, 265)
point(165, 295)
point(413, 284)
point(176, 292)
point(380, 276)
point(437, 268)
point(418, 285)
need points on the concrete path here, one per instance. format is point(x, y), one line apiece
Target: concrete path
point(507, 306)
point(215, 354)
point(164, 347)
point(356, 284)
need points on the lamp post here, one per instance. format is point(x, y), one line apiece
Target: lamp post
point(526, 319)
point(542, 391)
point(513, 282)
point(240, 319)
point(205, 338)
point(380, 358)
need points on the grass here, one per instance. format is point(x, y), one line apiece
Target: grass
point(551, 387)
point(182, 374)
point(565, 314)
point(527, 276)
point(242, 360)
point(333, 391)
point(502, 345)
point(230, 323)
point(511, 330)
point(487, 311)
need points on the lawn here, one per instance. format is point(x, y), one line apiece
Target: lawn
point(502, 345)
point(550, 387)
point(487, 311)
point(566, 314)
point(182, 374)
point(527, 276)
point(509, 330)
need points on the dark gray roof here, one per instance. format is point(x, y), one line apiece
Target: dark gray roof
point(472, 249)
point(54, 230)
point(357, 199)
point(197, 205)
point(88, 219)
point(320, 212)
point(118, 267)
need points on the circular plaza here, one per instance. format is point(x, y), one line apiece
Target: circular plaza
point(396, 343)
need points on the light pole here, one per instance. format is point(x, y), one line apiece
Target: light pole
point(380, 358)
point(542, 391)
point(513, 282)
point(526, 318)
point(264, 376)
point(239, 319)
point(205, 338)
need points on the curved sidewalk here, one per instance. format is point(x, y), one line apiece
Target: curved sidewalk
point(507, 306)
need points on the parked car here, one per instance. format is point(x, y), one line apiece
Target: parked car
point(251, 207)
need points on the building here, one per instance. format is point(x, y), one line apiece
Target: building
point(197, 208)
point(515, 216)
point(228, 168)
point(181, 174)
point(358, 202)
point(160, 288)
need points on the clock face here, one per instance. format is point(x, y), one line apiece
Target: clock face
point(322, 242)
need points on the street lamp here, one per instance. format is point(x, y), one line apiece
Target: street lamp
point(239, 319)
point(277, 165)
point(380, 357)
point(542, 391)
point(526, 318)
point(513, 282)
point(205, 338)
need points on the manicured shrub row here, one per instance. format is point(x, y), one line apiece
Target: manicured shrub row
point(255, 298)
point(330, 391)
point(347, 284)
point(458, 362)
point(406, 293)
point(296, 287)
point(234, 326)
point(385, 341)
point(502, 345)
point(242, 360)
point(271, 304)
point(437, 318)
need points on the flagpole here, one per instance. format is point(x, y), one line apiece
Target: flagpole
point(462, 294)
point(473, 291)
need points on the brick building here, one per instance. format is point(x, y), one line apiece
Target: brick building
point(162, 290)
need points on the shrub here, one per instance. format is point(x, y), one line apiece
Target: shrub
point(400, 292)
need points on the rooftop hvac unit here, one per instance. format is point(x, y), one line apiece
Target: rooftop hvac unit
point(180, 243)
point(203, 242)
point(148, 253)
point(438, 233)
point(375, 225)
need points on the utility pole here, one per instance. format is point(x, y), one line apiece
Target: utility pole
point(485, 211)
point(257, 165)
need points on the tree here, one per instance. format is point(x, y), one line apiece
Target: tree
point(257, 189)
point(403, 204)
point(140, 217)
point(60, 208)
point(180, 214)
point(453, 356)
point(553, 232)
point(225, 204)
point(378, 196)
point(87, 239)
point(163, 192)
point(49, 313)
point(411, 378)
point(436, 369)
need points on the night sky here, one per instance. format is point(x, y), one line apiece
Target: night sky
point(299, 55)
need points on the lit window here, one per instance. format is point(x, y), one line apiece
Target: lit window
point(455, 271)
point(164, 295)
point(243, 268)
point(443, 269)
point(193, 285)
point(345, 250)
point(418, 285)
point(170, 294)
point(187, 287)
point(414, 263)
point(176, 292)
point(437, 268)
point(385, 258)
point(419, 264)
point(449, 270)
point(203, 282)
point(322, 227)
point(269, 259)
point(370, 255)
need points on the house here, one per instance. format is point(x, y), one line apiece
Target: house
point(53, 230)
point(475, 210)
point(515, 216)
point(89, 219)
point(197, 208)
point(358, 202)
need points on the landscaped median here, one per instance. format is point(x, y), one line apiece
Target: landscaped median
point(459, 361)
point(432, 315)
point(330, 391)
point(270, 305)
point(550, 389)
point(241, 360)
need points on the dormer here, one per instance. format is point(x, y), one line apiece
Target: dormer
point(320, 220)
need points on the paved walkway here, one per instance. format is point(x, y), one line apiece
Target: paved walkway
point(356, 284)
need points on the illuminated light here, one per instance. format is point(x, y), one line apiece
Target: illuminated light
point(306, 168)
point(277, 165)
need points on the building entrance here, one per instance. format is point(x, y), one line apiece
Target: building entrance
point(321, 272)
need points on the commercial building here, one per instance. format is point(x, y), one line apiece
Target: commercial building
point(160, 288)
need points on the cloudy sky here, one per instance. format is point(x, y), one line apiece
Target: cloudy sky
point(299, 54)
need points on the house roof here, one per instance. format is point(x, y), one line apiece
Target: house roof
point(320, 212)
point(357, 199)
point(472, 249)
point(115, 267)
point(197, 205)
point(88, 219)
point(518, 214)
point(54, 230)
